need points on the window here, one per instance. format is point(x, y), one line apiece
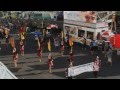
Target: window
point(90, 35)
point(103, 31)
point(73, 30)
point(67, 29)
point(81, 33)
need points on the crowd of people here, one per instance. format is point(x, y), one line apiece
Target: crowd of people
point(16, 25)
point(105, 47)
point(60, 43)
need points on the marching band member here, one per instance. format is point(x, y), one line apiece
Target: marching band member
point(39, 53)
point(71, 58)
point(22, 47)
point(50, 62)
point(96, 66)
point(41, 43)
point(109, 55)
point(7, 36)
point(15, 56)
point(62, 48)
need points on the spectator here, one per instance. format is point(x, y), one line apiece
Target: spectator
point(96, 66)
point(109, 55)
point(84, 44)
point(94, 47)
point(103, 46)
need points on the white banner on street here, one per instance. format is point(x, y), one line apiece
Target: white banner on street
point(5, 73)
point(74, 71)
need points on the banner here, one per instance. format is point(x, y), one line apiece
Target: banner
point(5, 73)
point(74, 71)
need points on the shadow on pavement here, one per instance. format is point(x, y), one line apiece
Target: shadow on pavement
point(14, 69)
point(60, 62)
point(60, 74)
point(39, 67)
point(21, 76)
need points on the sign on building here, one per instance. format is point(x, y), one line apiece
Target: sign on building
point(83, 16)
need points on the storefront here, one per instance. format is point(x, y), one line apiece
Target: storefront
point(79, 28)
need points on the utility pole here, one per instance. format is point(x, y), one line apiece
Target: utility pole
point(113, 24)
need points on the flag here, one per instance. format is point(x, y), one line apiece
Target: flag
point(71, 41)
point(6, 31)
point(22, 36)
point(62, 34)
point(43, 32)
point(73, 38)
point(12, 41)
point(49, 45)
point(38, 43)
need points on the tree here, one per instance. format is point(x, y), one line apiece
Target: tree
point(1, 14)
point(118, 21)
point(118, 13)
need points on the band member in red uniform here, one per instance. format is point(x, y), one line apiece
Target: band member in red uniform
point(96, 67)
point(39, 53)
point(22, 48)
point(71, 58)
point(15, 56)
point(50, 62)
point(62, 48)
point(41, 43)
